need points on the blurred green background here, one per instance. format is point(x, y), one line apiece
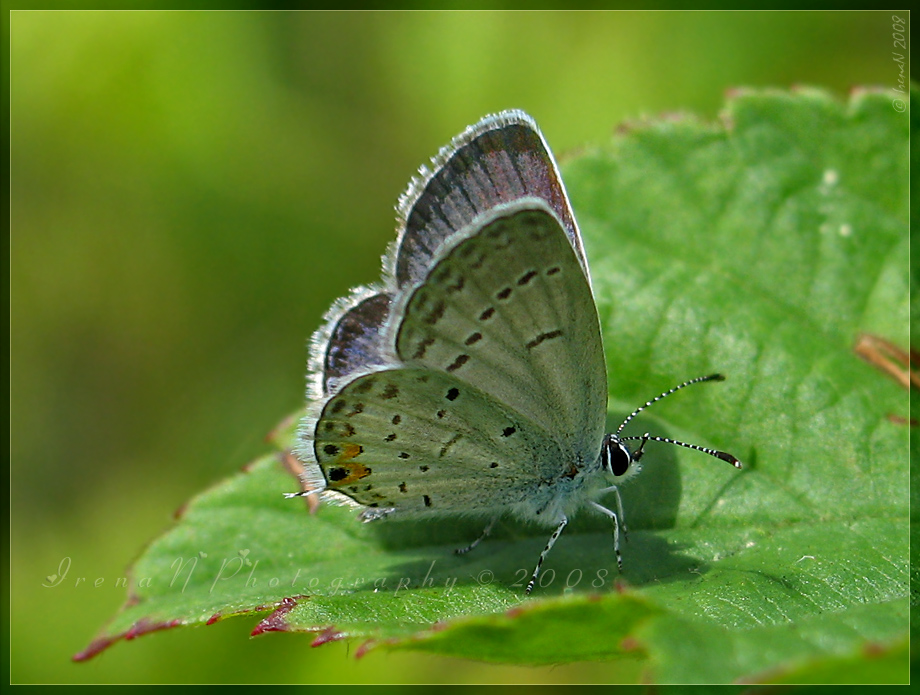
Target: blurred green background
point(189, 193)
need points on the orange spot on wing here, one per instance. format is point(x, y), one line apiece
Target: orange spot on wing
point(354, 472)
point(349, 451)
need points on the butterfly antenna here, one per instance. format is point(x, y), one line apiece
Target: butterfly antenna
point(706, 450)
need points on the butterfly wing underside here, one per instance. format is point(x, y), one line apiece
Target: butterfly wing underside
point(501, 384)
point(486, 293)
point(499, 160)
point(421, 441)
point(509, 310)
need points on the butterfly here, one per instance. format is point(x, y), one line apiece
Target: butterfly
point(471, 379)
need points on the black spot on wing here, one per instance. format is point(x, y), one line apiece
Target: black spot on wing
point(448, 444)
point(458, 362)
point(543, 337)
point(527, 277)
point(422, 347)
point(436, 314)
point(364, 385)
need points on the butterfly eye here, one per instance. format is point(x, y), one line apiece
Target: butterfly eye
point(616, 456)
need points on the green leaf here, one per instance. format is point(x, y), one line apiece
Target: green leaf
point(760, 247)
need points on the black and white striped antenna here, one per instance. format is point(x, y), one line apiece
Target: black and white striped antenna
point(646, 437)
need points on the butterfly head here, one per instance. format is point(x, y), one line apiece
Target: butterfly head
point(617, 460)
point(620, 462)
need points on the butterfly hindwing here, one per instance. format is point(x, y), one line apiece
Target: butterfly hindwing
point(355, 340)
point(418, 441)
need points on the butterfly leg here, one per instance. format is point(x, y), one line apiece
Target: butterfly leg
point(616, 531)
point(549, 546)
point(621, 517)
point(463, 551)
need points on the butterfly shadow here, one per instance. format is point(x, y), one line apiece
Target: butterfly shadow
point(582, 560)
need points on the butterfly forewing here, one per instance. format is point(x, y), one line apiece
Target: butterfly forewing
point(501, 159)
point(418, 440)
point(509, 310)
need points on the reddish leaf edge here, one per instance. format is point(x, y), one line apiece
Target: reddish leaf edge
point(147, 625)
point(277, 621)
